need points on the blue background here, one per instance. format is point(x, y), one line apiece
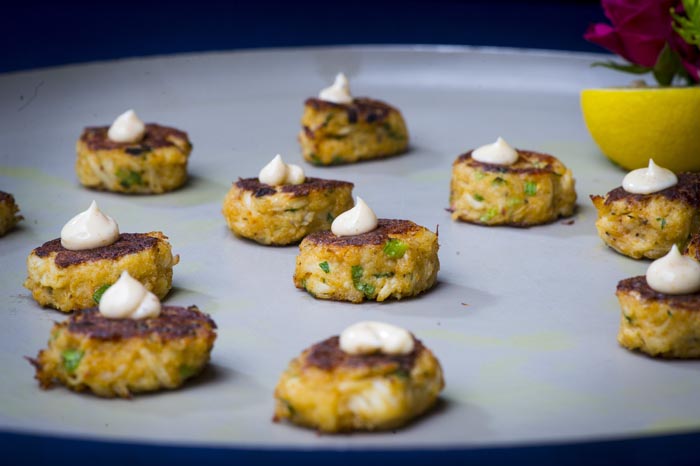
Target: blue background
point(40, 34)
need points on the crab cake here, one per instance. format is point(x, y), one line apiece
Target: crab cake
point(155, 164)
point(284, 214)
point(338, 133)
point(69, 280)
point(398, 259)
point(535, 190)
point(118, 357)
point(647, 225)
point(333, 391)
point(656, 323)
point(8, 212)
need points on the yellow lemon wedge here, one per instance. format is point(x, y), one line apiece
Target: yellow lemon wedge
point(632, 125)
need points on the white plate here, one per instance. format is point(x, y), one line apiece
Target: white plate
point(523, 320)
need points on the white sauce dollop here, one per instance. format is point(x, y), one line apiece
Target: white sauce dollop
point(674, 274)
point(127, 128)
point(369, 337)
point(88, 230)
point(276, 173)
point(649, 180)
point(128, 298)
point(499, 153)
point(360, 219)
point(339, 92)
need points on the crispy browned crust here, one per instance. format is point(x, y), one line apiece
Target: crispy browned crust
point(328, 356)
point(360, 109)
point(7, 197)
point(523, 165)
point(690, 302)
point(296, 190)
point(173, 322)
point(380, 235)
point(128, 243)
point(686, 190)
point(95, 138)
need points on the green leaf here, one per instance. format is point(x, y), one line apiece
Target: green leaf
point(530, 188)
point(99, 291)
point(688, 26)
point(129, 178)
point(395, 249)
point(71, 359)
point(667, 66)
point(325, 267)
point(624, 67)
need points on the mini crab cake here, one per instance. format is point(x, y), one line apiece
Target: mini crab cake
point(284, 214)
point(8, 213)
point(344, 133)
point(68, 280)
point(118, 357)
point(398, 259)
point(647, 225)
point(656, 323)
point(535, 190)
point(330, 390)
point(155, 164)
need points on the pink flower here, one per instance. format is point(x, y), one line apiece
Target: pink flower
point(640, 29)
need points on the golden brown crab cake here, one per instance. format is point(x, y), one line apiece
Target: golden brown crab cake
point(535, 190)
point(69, 280)
point(284, 214)
point(8, 213)
point(648, 225)
point(332, 391)
point(693, 247)
point(397, 260)
point(334, 133)
point(156, 164)
point(118, 357)
point(656, 323)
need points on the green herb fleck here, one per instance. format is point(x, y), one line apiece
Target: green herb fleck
point(479, 175)
point(662, 222)
point(99, 291)
point(395, 249)
point(330, 217)
point(498, 181)
point(670, 314)
point(491, 213)
point(383, 274)
point(629, 319)
point(315, 159)
point(478, 197)
point(291, 210)
point(289, 406)
point(337, 160)
point(530, 188)
point(357, 271)
point(186, 371)
point(71, 359)
point(392, 133)
point(325, 267)
point(129, 178)
point(513, 201)
point(401, 373)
